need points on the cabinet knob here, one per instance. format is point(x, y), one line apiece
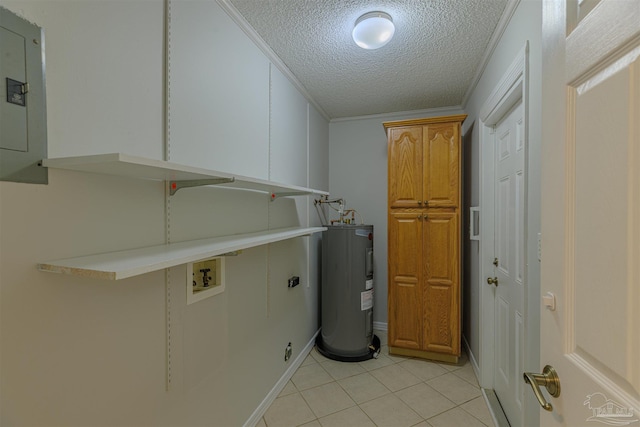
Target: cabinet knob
point(419, 216)
point(419, 202)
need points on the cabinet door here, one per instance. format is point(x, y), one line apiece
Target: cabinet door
point(441, 284)
point(441, 164)
point(405, 275)
point(405, 167)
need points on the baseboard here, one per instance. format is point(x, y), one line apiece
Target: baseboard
point(280, 385)
point(380, 326)
point(496, 411)
point(472, 358)
point(490, 398)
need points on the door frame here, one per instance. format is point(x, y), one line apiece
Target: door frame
point(512, 88)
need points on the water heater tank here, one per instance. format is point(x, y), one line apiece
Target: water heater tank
point(346, 309)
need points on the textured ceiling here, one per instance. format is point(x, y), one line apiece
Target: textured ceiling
point(430, 62)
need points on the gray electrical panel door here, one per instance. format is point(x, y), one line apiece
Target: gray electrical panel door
point(23, 130)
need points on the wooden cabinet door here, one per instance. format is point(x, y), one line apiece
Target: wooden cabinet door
point(441, 289)
point(441, 164)
point(405, 277)
point(405, 167)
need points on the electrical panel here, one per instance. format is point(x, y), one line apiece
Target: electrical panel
point(23, 121)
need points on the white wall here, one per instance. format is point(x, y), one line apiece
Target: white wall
point(525, 26)
point(80, 351)
point(358, 173)
point(219, 92)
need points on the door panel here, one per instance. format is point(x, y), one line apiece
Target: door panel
point(603, 230)
point(405, 167)
point(442, 284)
point(405, 273)
point(441, 165)
point(591, 215)
point(603, 243)
point(502, 340)
point(503, 223)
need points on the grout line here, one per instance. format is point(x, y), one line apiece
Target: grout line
point(315, 359)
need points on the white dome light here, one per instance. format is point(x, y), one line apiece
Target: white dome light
point(373, 30)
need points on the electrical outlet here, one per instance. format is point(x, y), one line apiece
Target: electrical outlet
point(293, 282)
point(287, 352)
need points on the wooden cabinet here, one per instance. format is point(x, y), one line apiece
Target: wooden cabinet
point(424, 237)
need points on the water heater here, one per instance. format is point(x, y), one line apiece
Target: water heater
point(347, 294)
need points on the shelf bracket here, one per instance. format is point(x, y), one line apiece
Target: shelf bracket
point(232, 253)
point(174, 186)
point(286, 194)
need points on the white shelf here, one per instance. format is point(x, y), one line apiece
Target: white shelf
point(123, 264)
point(139, 167)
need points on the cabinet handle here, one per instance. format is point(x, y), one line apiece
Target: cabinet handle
point(419, 216)
point(419, 202)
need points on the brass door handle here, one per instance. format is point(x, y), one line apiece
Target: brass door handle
point(549, 379)
point(492, 280)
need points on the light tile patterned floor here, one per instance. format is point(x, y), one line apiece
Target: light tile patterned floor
point(389, 391)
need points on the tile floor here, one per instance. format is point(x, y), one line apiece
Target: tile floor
point(389, 391)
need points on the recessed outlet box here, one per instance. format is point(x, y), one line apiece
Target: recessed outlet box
point(293, 282)
point(205, 279)
point(287, 352)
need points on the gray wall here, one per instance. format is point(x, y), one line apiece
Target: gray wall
point(79, 351)
point(358, 164)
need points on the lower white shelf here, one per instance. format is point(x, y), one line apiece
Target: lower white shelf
point(129, 263)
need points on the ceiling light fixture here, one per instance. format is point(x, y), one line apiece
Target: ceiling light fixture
point(373, 30)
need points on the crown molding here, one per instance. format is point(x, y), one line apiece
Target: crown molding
point(507, 14)
point(440, 111)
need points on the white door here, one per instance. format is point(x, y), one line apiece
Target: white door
point(509, 267)
point(591, 212)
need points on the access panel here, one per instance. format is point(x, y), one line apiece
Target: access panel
point(23, 130)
